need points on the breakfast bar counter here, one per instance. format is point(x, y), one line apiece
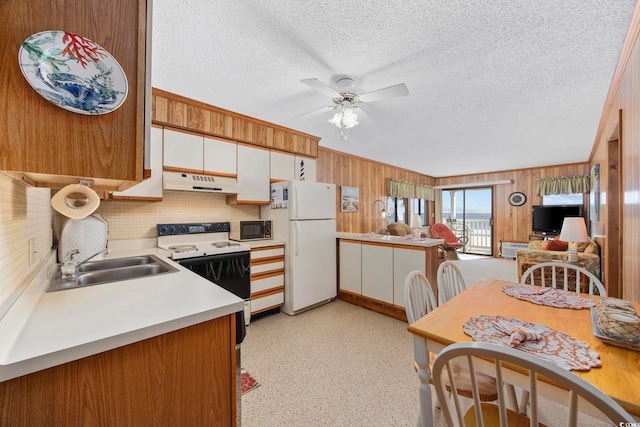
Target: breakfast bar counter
point(372, 268)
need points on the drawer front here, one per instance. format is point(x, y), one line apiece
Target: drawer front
point(266, 283)
point(271, 252)
point(266, 303)
point(264, 268)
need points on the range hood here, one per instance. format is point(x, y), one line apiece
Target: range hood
point(178, 181)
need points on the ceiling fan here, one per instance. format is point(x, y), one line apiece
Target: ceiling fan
point(345, 103)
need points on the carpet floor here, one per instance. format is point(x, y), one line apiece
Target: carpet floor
point(343, 365)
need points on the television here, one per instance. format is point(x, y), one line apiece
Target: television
point(547, 220)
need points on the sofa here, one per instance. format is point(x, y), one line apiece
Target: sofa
point(555, 250)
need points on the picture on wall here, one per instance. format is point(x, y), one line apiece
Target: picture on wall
point(349, 202)
point(594, 195)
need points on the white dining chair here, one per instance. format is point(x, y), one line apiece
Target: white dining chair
point(546, 274)
point(562, 276)
point(579, 395)
point(450, 281)
point(419, 300)
point(450, 284)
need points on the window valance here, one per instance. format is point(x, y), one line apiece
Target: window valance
point(409, 190)
point(564, 185)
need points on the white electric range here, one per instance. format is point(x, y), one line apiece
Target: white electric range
point(205, 249)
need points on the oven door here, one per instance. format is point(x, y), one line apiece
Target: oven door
point(229, 271)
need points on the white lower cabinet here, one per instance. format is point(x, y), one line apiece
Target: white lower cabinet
point(378, 271)
point(404, 262)
point(267, 278)
point(351, 267)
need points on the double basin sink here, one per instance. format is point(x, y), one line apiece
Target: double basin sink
point(110, 270)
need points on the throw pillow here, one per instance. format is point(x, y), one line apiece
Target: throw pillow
point(556, 245)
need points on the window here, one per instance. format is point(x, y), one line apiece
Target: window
point(400, 210)
point(563, 199)
point(397, 210)
point(419, 207)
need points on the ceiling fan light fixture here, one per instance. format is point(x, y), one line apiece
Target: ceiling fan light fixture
point(350, 119)
point(336, 119)
point(345, 102)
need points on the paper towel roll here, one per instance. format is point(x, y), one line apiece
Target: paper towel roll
point(76, 201)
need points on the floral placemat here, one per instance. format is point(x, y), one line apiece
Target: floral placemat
point(554, 346)
point(551, 297)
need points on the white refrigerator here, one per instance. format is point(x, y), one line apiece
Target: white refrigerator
point(303, 215)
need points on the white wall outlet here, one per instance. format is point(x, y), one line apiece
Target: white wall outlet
point(32, 251)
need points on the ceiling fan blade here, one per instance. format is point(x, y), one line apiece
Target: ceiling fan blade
point(315, 112)
point(321, 87)
point(388, 92)
point(360, 112)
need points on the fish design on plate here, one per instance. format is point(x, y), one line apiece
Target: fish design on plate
point(73, 72)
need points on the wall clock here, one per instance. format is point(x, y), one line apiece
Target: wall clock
point(517, 199)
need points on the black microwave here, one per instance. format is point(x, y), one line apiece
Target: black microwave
point(250, 230)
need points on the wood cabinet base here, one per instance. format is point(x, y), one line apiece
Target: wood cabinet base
point(377, 306)
point(186, 377)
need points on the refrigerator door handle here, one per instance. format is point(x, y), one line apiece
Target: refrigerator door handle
point(297, 238)
point(297, 199)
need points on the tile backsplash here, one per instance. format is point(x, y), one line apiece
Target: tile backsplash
point(25, 213)
point(137, 219)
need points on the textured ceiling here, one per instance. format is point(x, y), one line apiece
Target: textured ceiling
point(493, 85)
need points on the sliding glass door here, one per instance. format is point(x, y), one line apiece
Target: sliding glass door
point(469, 214)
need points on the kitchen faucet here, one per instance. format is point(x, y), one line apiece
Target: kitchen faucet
point(70, 267)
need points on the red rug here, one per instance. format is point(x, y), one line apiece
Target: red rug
point(247, 382)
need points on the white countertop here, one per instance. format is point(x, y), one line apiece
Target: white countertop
point(44, 329)
point(396, 240)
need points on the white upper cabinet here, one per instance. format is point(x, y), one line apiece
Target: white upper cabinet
point(305, 169)
point(191, 152)
point(220, 157)
point(253, 176)
point(282, 166)
point(183, 151)
point(150, 188)
point(286, 167)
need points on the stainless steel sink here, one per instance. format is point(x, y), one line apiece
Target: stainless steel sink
point(109, 271)
point(109, 264)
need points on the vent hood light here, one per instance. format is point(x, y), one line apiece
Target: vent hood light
point(177, 181)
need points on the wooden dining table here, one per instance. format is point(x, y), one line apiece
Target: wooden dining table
point(619, 376)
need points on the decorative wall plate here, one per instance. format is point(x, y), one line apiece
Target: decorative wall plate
point(73, 72)
point(517, 199)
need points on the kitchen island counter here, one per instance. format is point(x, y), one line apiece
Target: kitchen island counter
point(372, 268)
point(387, 239)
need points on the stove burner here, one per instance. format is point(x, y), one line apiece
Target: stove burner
point(224, 244)
point(183, 248)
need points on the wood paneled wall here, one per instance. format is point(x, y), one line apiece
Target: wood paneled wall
point(188, 114)
point(622, 108)
point(371, 179)
point(513, 224)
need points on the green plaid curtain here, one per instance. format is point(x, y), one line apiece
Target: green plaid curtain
point(409, 190)
point(564, 185)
